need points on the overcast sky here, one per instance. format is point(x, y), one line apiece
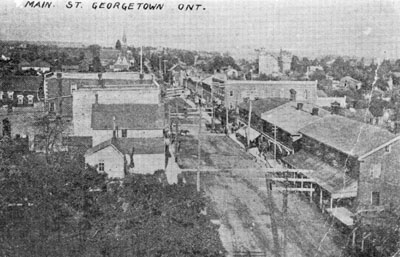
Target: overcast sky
point(313, 27)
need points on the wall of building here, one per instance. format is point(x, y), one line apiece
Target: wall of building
point(83, 100)
point(147, 163)
point(379, 172)
point(235, 93)
point(99, 136)
point(267, 64)
point(113, 161)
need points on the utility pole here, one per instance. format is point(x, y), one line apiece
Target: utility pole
point(141, 59)
point(285, 210)
point(212, 105)
point(165, 67)
point(275, 142)
point(176, 132)
point(249, 124)
point(199, 150)
point(159, 65)
point(227, 119)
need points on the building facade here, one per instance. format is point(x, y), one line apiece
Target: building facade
point(236, 90)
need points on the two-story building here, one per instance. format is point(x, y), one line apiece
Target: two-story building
point(283, 123)
point(118, 157)
point(237, 90)
point(21, 91)
point(346, 161)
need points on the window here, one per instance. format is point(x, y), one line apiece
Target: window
point(388, 148)
point(1, 95)
point(30, 99)
point(20, 99)
point(376, 170)
point(231, 93)
point(375, 198)
point(306, 94)
point(73, 87)
point(230, 106)
point(51, 107)
point(124, 132)
point(10, 95)
point(101, 166)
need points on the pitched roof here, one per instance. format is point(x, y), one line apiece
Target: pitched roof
point(21, 83)
point(127, 116)
point(291, 120)
point(348, 136)
point(263, 105)
point(270, 83)
point(40, 63)
point(125, 145)
point(332, 179)
point(348, 78)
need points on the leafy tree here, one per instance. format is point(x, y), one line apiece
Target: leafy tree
point(118, 45)
point(51, 129)
point(97, 67)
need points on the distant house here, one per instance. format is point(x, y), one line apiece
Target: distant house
point(37, 65)
point(232, 73)
point(119, 156)
point(70, 68)
point(349, 82)
point(348, 160)
point(21, 91)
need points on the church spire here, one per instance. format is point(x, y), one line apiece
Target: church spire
point(124, 37)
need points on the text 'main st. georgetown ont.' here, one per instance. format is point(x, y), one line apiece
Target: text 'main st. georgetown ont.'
point(125, 6)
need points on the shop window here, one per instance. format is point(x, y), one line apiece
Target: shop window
point(20, 99)
point(124, 132)
point(101, 166)
point(375, 198)
point(30, 99)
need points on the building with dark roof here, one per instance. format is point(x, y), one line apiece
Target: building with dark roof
point(119, 156)
point(288, 119)
point(21, 91)
point(348, 160)
point(235, 91)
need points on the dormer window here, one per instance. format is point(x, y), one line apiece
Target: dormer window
point(10, 95)
point(73, 87)
point(20, 99)
point(30, 99)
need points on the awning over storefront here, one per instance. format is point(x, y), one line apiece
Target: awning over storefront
point(343, 215)
point(253, 133)
point(333, 180)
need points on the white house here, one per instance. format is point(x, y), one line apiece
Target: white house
point(120, 156)
point(126, 120)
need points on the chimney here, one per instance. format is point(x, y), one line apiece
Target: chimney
point(59, 83)
point(101, 81)
point(114, 128)
point(299, 106)
point(314, 111)
point(292, 95)
point(335, 106)
point(132, 164)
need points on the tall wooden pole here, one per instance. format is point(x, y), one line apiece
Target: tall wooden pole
point(212, 105)
point(199, 151)
point(141, 59)
point(176, 132)
point(275, 142)
point(248, 127)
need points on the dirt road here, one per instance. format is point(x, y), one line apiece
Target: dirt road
point(252, 220)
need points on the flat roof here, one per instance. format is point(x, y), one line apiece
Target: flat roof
point(269, 82)
point(105, 75)
point(291, 120)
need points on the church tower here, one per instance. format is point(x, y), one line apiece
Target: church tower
point(122, 63)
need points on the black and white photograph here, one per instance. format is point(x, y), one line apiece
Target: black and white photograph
point(200, 128)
